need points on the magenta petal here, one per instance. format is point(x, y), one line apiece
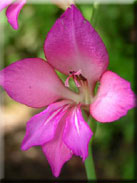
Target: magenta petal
point(56, 152)
point(77, 133)
point(13, 12)
point(32, 82)
point(73, 45)
point(114, 98)
point(41, 127)
point(4, 4)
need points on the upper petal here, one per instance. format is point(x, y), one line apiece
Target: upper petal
point(13, 12)
point(4, 4)
point(73, 44)
point(56, 151)
point(41, 127)
point(77, 133)
point(33, 82)
point(114, 98)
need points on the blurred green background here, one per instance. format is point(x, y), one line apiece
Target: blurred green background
point(113, 147)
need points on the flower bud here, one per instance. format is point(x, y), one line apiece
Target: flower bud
point(63, 4)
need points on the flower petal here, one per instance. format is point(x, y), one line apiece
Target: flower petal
point(77, 133)
point(33, 82)
point(56, 152)
point(4, 4)
point(73, 45)
point(114, 98)
point(41, 127)
point(13, 12)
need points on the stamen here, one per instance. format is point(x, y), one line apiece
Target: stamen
point(73, 75)
point(76, 82)
point(77, 73)
point(82, 83)
point(67, 81)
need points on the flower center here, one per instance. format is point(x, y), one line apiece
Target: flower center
point(82, 85)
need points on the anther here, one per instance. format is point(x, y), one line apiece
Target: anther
point(75, 76)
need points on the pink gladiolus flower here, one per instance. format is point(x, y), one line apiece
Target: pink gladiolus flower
point(13, 10)
point(15, 6)
point(74, 48)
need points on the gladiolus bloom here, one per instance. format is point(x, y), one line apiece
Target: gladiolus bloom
point(15, 6)
point(13, 10)
point(74, 48)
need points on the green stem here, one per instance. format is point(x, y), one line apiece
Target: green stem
point(94, 15)
point(89, 163)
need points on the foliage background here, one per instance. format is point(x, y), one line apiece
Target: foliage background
point(113, 148)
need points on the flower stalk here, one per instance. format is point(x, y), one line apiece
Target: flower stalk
point(89, 162)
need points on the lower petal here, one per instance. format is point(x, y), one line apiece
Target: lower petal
point(114, 98)
point(77, 133)
point(56, 152)
point(41, 127)
point(13, 13)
